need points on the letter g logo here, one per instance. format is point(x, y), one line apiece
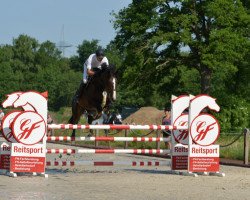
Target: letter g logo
point(29, 128)
point(204, 130)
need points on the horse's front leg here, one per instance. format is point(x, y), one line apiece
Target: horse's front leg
point(73, 121)
point(75, 118)
point(90, 120)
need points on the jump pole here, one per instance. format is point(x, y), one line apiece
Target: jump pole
point(108, 163)
point(108, 151)
point(114, 139)
point(116, 127)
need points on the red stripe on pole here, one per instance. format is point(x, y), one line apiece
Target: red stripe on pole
point(104, 151)
point(79, 126)
point(104, 139)
point(103, 163)
point(119, 127)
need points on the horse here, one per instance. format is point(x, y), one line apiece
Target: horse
point(96, 97)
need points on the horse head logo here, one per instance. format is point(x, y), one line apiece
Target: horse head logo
point(212, 105)
point(202, 101)
point(33, 101)
point(11, 98)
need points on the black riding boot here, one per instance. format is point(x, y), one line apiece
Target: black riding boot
point(80, 90)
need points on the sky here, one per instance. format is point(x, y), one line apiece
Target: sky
point(56, 20)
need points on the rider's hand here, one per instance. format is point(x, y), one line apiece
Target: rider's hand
point(91, 72)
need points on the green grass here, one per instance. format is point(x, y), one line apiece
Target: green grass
point(234, 151)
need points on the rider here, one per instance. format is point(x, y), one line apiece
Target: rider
point(95, 60)
point(166, 120)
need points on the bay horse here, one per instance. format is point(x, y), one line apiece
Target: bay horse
point(96, 96)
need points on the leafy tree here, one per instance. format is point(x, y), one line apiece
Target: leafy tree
point(84, 50)
point(156, 31)
point(28, 65)
point(183, 46)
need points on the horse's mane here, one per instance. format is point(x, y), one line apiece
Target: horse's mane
point(109, 69)
point(105, 68)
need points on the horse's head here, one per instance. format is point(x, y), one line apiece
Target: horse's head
point(108, 77)
point(213, 105)
point(11, 98)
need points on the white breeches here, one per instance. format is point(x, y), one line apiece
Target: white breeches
point(85, 74)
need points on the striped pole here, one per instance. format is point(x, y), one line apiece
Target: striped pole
point(109, 151)
point(108, 163)
point(116, 127)
point(116, 139)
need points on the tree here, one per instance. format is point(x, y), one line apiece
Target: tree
point(83, 50)
point(28, 65)
point(183, 46)
point(156, 32)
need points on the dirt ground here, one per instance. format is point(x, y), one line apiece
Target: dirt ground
point(124, 182)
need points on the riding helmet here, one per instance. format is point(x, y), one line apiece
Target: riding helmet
point(99, 53)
